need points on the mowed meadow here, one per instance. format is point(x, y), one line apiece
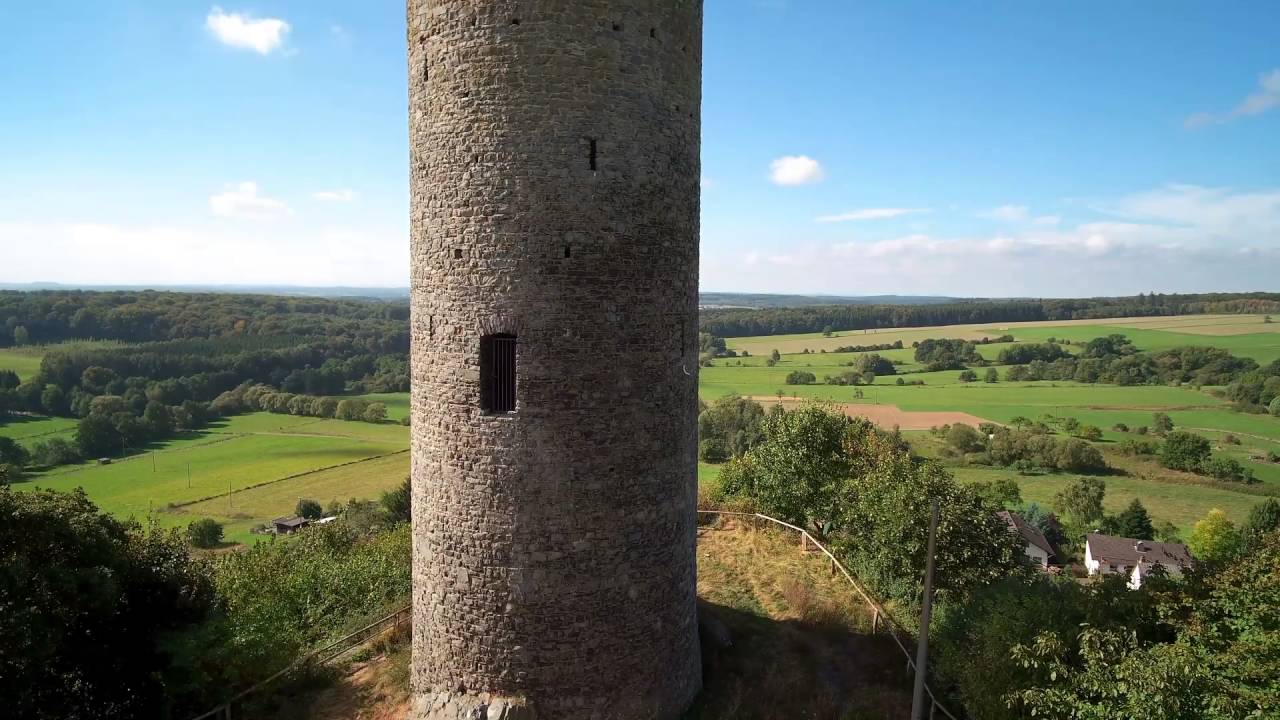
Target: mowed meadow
point(1176, 497)
point(247, 469)
point(243, 470)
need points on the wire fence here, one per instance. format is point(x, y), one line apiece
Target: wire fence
point(339, 648)
point(880, 616)
point(322, 656)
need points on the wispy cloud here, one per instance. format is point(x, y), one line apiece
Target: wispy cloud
point(1006, 213)
point(338, 196)
point(793, 170)
point(243, 201)
point(1172, 238)
point(1265, 98)
point(870, 214)
point(241, 30)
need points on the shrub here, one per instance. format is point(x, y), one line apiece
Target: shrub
point(309, 509)
point(1142, 430)
point(991, 376)
point(1120, 427)
point(1079, 456)
point(1224, 468)
point(801, 377)
point(1090, 432)
point(1161, 422)
point(1139, 446)
point(965, 439)
point(1184, 451)
point(968, 376)
point(204, 533)
point(397, 502)
point(1274, 408)
point(1230, 439)
point(711, 450)
point(56, 451)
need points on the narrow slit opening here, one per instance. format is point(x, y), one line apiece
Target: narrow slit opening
point(568, 250)
point(593, 153)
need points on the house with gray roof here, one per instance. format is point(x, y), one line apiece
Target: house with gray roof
point(1034, 543)
point(1108, 555)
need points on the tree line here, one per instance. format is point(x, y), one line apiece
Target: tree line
point(1011, 642)
point(730, 322)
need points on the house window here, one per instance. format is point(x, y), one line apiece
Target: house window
point(498, 373)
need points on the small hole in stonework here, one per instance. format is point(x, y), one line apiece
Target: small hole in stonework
point(592, 157)
point(515, 21)
point(426, 70)
point(677, 108)
point(684, 49)
point(653, 32)
point(617, 27)
point(457, 253)
point(568, 250)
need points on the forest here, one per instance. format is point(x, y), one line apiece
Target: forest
point(818, 318)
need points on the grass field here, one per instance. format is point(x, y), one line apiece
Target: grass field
point(1167, 498)
point(1244, 335)
point(247, 456)
point(25, 361)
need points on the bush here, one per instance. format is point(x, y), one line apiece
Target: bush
point(965, 439)
point(711, 450)
point(1079, 456)
point(1090, 432)
point(309, 509)
point(1120, 427)
point(102, 620)
point(1138, 446)
point(56, 451)
point(991, 376)
point(1184, 451)
point(1224, 468)
point(968, 376)
point(1274, 408)
point(204, 533)
point(397, 503)
point(801, 377)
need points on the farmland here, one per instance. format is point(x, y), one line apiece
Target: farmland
point(267, 461)
point(244, 470)
point(1180, 500)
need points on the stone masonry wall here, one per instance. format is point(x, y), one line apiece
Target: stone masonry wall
point(555, 183)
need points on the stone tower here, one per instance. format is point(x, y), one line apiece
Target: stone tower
point(555, 183)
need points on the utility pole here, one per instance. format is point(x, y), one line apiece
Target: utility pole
point(188, 476)
point(926, 612)
point(153, 461)
point(228, 495)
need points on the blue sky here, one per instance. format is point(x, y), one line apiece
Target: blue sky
point(963, 148)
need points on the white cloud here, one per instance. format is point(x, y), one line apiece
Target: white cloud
point(1178, 238)
point(1265, 98)
point(340, 196)
point(870, 214)
point(796, 170)
point(95, 253)
point(243, 201)
point(1006, 213)
point(240, 30)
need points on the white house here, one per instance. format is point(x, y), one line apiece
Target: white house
point(1033, 541)
point(1107, 555)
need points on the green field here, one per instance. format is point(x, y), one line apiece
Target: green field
point(24, 361)
point(236, 465)
point(1167, 498)
point(1244, 335)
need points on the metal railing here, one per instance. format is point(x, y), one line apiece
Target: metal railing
point(879, 614)
point(322, 656)
point(340, 647)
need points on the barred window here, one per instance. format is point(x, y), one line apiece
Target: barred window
point(498, 373)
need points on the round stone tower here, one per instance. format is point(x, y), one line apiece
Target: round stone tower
point(555, 183)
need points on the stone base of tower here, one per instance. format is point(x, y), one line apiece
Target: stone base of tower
point(454, 706)
point(446, 705)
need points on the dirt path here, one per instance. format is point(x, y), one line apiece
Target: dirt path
point(888, 416)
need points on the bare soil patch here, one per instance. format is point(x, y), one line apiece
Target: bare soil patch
point(887, 416)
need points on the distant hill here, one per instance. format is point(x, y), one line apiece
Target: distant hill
point(763, 300)
point(377, 293)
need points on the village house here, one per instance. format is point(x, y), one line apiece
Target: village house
point(1034, 542)
point(1108, 555)
point(289, 524)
